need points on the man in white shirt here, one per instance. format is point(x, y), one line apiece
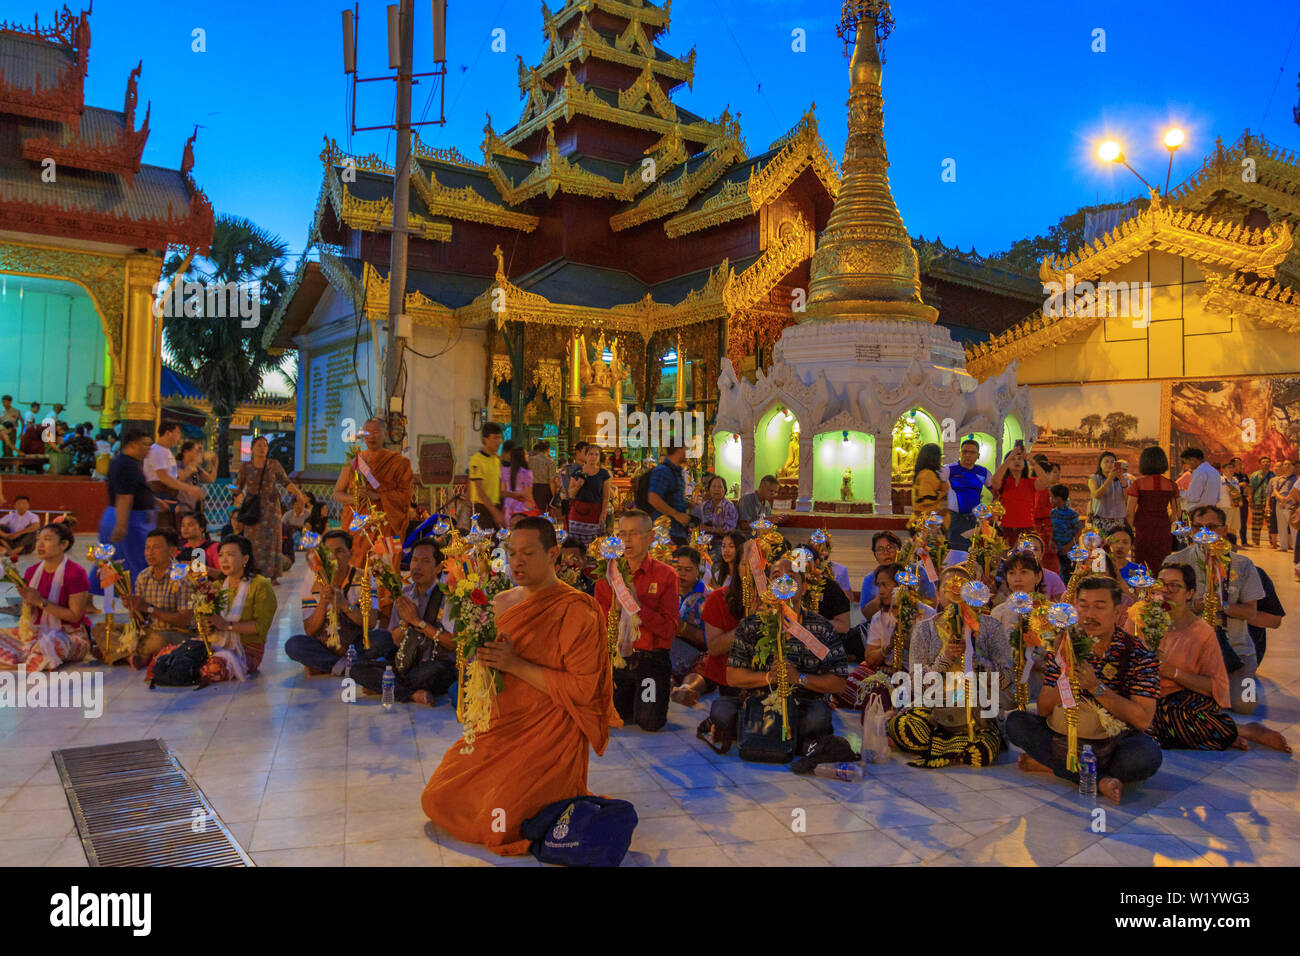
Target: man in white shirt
point(18, 528)
point(11, 414)
point(1203, 489)
point(160, 472)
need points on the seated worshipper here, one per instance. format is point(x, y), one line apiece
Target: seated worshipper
point(728, 546)
point(18, 529)
point(717, 511)
point(811, 678)
point(823, 594)
point(839, 572)
point(422, 654)
point(1238, 600)
point(885, 545)
point(877, 640)
point(554, 705)
point(688, 644)
point(194, 541)
point(722, 610)
point(1193, 680)
point(1021, 572)
point(574, 568)
point(1053, 586)
point(1121, 675)
point(646, 651)
point(163, 605)
point(312, 649)
point(237, 635)
point(57, 596)
point(963, 727)
point(1119, 543)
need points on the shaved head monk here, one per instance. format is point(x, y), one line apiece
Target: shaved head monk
point(387, 485)
point(553, 708)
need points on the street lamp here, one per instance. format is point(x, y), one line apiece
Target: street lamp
point(1110, 152)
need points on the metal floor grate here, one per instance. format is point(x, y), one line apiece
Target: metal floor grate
point(135, 806)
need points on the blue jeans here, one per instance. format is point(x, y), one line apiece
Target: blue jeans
point(1135, 757)
point(130, 550)
point(312, 653)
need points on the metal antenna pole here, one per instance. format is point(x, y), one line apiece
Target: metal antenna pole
point(395, 338)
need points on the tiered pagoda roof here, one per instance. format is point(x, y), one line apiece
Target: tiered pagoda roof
point(604, 194)
point(76, 171)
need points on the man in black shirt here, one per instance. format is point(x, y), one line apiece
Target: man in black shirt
point(129, 517)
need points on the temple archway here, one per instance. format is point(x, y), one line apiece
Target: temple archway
point(728, 455)
point(773, 442)
point(914, 428)
point(835, 451)
point(58, 352)
point(1012, 432)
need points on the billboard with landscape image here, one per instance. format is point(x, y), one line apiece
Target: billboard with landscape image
point(1077, 423)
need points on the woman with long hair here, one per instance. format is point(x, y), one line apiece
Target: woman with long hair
point(590, 490)
point(1153, 507)
point(1016, 486)
point(1107, 487)
point(722, 612)
point(56, 598)
point(731, 546)
point(517, 485)
point(929, 491)
point(263, 477)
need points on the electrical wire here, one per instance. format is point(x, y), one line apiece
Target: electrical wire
point(1280, 70)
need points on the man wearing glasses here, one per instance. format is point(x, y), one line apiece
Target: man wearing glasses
point(1237, 602)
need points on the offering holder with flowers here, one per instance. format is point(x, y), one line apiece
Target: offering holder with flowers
point(1072, 648)
point(206, 599)
point(766, 542)
point(906, 600)
point(114, 576)
point(771, 645)
point(611, 564)
point(26, 631)
point(472, 581)
point(1216, 554)
point(321, 560)
point(1024, 636)
point(986, 544)
point(1150, 613)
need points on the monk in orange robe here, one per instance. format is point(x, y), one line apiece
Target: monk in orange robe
point(387, 484)
point(555, 704)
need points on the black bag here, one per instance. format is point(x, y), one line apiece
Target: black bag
point(250, 512)
point(179, 667)
point(641, 493)
point(1231, 660)
point(582, 831)
point(760, 732)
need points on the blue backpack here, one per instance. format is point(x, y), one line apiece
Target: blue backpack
point(582, 831)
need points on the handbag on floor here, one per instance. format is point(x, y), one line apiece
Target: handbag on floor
point(760, 732)
point(582, 831)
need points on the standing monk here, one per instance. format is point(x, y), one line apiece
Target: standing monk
point(387, 485)
point(554, 705)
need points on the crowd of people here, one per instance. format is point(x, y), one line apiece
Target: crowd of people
point(695, 560)
point(27, 441)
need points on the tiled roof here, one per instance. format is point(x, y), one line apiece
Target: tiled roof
point(29, 62)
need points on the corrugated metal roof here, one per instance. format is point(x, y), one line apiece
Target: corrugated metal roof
point(573, 283)
point(98, 127)
point(30, 62)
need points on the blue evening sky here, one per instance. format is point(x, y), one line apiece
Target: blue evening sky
point(1011, 91)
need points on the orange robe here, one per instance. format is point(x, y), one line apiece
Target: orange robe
point(396, 488)
point(535, 751)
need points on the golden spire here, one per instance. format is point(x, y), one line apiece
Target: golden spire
point(865, 266)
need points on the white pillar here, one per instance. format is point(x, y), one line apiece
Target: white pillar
point(747, 463)
point(884, 499)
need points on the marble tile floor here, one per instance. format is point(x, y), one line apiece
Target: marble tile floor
point(303, 779)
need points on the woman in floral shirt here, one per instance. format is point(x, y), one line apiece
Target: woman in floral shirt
point(718, 512)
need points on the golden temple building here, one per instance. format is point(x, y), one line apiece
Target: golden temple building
point(84, 226)
point(608, 250)
point(1182, 316)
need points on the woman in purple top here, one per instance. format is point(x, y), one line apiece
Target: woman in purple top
point(718, 512)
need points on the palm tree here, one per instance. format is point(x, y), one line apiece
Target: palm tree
point(226, 360)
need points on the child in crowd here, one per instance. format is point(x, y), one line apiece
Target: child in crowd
point(1065, 526)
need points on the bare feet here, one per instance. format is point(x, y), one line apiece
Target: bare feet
point(1239, 744)
point(421, 697)
point(1263, 736)
point(1110, 788)
point(313, 672)
point(1028, 764)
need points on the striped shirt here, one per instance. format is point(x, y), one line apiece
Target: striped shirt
point(1142, 679)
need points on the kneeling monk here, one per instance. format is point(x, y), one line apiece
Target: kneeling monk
point(554, 705)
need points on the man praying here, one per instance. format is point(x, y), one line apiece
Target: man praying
point(553, 707)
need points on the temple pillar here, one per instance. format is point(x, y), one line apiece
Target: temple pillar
point(139, 387)
point(746, 463)
point(804, 501)
point(884, 482)
point(109, 411)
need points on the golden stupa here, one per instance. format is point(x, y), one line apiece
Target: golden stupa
point(865, 266)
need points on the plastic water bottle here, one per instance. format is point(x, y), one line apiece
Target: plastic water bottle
point(1087, 772)
point(840, 771)
point(351, 659)
point(386, 686)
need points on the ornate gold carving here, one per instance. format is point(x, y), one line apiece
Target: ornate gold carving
point(668, 196)
point(466, 203)
point(1276, 185)
point(1217, 243)
point(331, 155)
point(548, 377)
point(585, 41)
point(451, 156)
point(502, 369)
point(752, 286)
point(1260, 300)
point(494, 145)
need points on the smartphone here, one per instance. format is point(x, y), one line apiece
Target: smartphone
point(1020, 443)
